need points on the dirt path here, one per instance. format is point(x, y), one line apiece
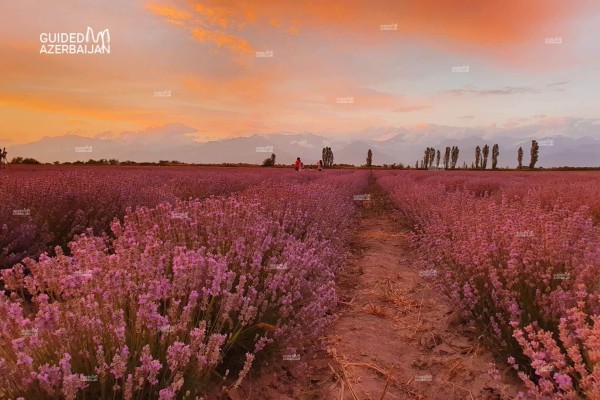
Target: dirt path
point(395, 334)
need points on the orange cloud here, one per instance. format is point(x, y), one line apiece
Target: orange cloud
point(214, 16)
point(206, 24)
point(322, 51)
point(169, 12)
point(485, 24)
point(222, 39)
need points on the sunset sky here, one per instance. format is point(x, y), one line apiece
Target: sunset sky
point(529, 62)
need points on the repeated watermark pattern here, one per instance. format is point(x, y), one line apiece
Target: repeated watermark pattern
point(428, 273)
point(84, 273)
point(264, 149)
point(546, 368)
point(388, 27)
point(280, 266)
point(29, 332)
point(361, 197)
point(162, 93)
point(264, 54)
point(22, 212)
point(166, 329)
point(83, 149)
point(461, 68)
point(345, 100)
point(562, 276)
point(179, 215)
point(524, 234)
point(553, 40)
point(423, 378)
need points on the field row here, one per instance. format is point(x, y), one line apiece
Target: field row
point(177, 298)
point(519, 255)
point(169, 283)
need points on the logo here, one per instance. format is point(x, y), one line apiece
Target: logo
point(165, 329)
point(179, 215)
point(83, 149)
point(428, 273)
point(281, 266)
point(345, 100)
point(29, 332)
point(84, 274)
point(22, 212)
point(361, 197)
point(523, 234)
point(76, 42)
point(264, 54)
point(264, 149)
point(562, 276)
point(462, 68)
point(553, 40)
point(162, 93)
point(546, 368)
point(388, 27)
point(423, 378)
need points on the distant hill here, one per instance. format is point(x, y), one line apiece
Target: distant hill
point(401, 145)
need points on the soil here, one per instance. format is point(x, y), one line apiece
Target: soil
point(395, 337)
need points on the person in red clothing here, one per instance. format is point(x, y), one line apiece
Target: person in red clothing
point(297, 164)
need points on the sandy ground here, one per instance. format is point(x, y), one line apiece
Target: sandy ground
point(396, 337)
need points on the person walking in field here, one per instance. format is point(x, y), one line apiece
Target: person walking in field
point(301, 166)
point(320, 165)
point(297, 164)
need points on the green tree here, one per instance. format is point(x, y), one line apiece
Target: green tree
point(485, 152)
point(495, 154)
point(369, 158)
point(26, 160)
point(447, 158)
point(269, 162)
point(327, 157)
point(455, 153)
point(520, 157)
point(535, 148)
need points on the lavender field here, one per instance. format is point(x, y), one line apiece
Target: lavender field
point(177, 283)
point(167, 283)
point(300, 200)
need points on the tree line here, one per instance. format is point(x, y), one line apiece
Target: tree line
point(431, 157)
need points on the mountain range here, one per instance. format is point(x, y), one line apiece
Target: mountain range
point(397, 146)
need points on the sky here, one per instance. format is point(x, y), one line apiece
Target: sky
point(339, 67)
